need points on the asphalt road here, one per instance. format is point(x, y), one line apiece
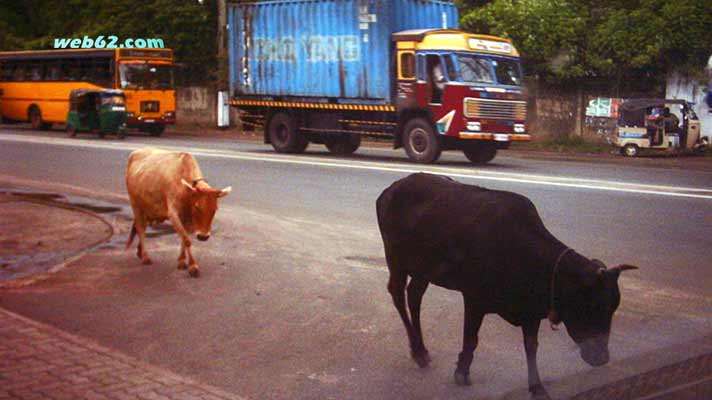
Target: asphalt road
point(293, 303)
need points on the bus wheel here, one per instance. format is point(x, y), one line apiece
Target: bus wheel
point(71, 130)
point(35, 116)
point(342, 144)
point(480, 153)
point(156, 130)
point(420, 142)
point(284, 136)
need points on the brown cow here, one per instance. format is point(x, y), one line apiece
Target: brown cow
point(166, 185)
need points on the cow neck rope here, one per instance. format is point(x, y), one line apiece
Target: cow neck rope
point(552, 308)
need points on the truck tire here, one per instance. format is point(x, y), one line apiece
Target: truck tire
point(420, 141)
point(342, 144)
point(480, 153)
point(284, 136)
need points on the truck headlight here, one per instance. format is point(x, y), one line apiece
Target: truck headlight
point(474, 126)
point(518, 128)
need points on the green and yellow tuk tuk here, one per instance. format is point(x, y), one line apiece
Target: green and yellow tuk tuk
point(100, 111)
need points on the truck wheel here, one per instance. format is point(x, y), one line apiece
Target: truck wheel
point(630, 150)
point(343, 144)
point(480, 153)
point(420, 142)
point(284, 136)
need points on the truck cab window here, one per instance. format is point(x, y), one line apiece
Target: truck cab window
point(436, 78)
point(407, 66)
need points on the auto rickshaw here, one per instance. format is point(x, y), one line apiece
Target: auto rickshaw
point(650, 124)
point(100, 111)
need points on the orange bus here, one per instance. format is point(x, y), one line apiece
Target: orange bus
point(35, 85)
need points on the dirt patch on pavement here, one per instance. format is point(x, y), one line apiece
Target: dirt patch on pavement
point(38, 235)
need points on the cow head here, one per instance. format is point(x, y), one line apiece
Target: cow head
point(586, 308)
point(203, 205)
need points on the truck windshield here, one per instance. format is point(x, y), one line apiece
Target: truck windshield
point(484, 69)
point(146, 76)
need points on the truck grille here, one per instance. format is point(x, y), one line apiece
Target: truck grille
point(495, 109)
point(150, 106)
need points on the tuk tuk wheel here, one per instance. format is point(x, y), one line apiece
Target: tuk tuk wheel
point(630, 150)
point(71, 130)
point(121, 134)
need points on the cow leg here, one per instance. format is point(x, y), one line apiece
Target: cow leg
point(416, 290)
point(396, 287)
point(194, 269)
point(140, 225)
point(182, 264)
point(473, 321)
point(531, 344)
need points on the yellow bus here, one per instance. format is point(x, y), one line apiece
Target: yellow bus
point(35, 85)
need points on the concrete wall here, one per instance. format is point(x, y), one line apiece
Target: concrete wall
point(679, 87)
point(195, 105)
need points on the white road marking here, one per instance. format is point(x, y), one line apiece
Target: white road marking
point(476, 174)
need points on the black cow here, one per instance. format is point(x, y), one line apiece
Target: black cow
point(493, 247)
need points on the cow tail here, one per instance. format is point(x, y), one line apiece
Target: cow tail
point(131, 235)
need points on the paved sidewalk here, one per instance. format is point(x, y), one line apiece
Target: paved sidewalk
point(38, 361)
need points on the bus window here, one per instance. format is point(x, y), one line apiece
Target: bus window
point(35, 71)
point(18, 74)
point(53, 71)
point(6, 71)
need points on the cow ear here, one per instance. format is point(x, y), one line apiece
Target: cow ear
point(225, 191)
point(188, 185)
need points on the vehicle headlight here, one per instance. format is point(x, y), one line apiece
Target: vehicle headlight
point(118, 108)
point(519, 128)
point(474, 126)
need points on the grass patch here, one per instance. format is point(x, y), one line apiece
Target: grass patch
point(563, 144)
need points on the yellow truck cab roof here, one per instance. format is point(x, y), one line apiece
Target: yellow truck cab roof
point(453, 39)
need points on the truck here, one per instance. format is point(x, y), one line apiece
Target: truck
point(331, 72)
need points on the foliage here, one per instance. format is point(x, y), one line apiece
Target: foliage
point(615, 41)
point(186, 26)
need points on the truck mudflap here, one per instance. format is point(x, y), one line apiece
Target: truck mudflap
point(497, 137)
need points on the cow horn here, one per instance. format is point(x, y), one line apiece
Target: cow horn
point(188, 185)
point(225, 191)
point(620, 268)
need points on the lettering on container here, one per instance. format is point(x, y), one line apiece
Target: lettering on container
point(315, 48)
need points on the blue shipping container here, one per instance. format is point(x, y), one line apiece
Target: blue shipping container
point(337, 49)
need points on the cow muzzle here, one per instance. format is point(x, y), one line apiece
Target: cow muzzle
point(595, 352)
point(203, 236)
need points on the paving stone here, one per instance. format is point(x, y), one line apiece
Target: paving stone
point(39, 362)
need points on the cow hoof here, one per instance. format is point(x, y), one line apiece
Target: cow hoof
point(146, 261)
point(422, 358)
point(462, 378)
point(537, 392)
point(182, 265)
point(194, 272)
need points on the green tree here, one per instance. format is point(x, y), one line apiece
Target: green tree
point(619, 43)
point(186, 26)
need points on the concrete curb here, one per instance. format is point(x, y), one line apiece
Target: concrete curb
point(20, 282)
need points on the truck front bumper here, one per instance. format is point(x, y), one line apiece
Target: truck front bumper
point(497, 137)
